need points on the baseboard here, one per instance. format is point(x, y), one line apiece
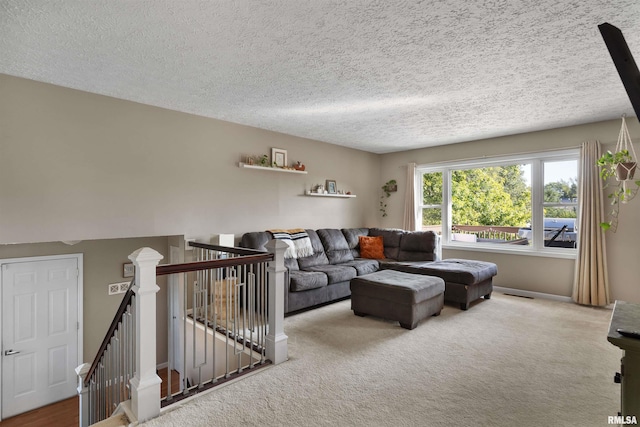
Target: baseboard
point(530, 294)
point(162, 365)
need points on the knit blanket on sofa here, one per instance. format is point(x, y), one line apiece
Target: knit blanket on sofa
point(298, 241)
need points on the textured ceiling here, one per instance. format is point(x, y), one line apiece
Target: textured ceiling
point(380, 76)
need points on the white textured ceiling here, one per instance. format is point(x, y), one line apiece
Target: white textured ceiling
point(381, 76)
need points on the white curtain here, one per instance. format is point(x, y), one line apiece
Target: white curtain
point(409, 220)
point(590, 282)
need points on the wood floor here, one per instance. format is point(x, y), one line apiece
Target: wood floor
point(65, 413)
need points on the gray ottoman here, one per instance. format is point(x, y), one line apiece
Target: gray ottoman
point(466, 280)
point(394, 295)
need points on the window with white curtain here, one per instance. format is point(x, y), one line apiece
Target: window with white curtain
point(523, 203)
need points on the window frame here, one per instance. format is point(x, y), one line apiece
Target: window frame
point(537, 161)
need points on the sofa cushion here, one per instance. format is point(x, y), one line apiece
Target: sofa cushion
point(371, 247)
point(258, 240)
point(352, 235)
point(318, 258)
point(418, 246)
point(335, 245)
point(391, 239)
point(305, 280)
point(255, 240)
point(335, 273)
point(363, 266)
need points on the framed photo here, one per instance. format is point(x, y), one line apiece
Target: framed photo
point(332, 188)
point(278, 157)
point(127, 270)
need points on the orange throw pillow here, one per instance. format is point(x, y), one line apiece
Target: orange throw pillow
point(371, 247)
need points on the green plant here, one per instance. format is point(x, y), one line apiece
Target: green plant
point(388, 188)
point(263, 160)
point(608, 164)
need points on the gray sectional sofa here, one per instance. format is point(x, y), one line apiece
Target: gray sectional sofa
point(325, 276)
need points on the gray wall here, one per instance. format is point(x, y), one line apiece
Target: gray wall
point(78, 166)
point(537, 274)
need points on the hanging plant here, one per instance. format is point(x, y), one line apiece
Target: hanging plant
point(389, 187)
point(622, 166)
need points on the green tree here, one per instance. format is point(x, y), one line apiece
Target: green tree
point(557, 192)
point(495, 195)
point(432, 195)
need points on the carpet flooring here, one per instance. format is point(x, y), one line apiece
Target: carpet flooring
point(507, 361)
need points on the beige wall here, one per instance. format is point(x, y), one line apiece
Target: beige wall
point(537, 274)
point(103, 261)
point(78, 166)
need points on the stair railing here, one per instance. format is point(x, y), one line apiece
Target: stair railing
point(125, 367)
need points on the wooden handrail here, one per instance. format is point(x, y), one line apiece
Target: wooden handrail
point(237, 251)
point(185, 267)
point(126, 300)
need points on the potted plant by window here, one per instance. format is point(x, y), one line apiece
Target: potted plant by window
point(621, 165)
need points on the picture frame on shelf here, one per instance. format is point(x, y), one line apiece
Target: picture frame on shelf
point(278, 157)
point(331, 187)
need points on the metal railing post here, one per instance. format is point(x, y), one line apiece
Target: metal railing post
point(276, 339)
point(145, 385)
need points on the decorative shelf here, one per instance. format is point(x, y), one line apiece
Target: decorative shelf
point(344, 196)
point(266, 168)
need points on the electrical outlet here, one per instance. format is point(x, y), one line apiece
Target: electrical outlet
point(118, 288)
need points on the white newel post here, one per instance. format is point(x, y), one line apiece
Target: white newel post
point(276, 339)
point(83, 395)
point(145, 385)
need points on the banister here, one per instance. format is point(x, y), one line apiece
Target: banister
point(126, 300)
point(212, 264)
point(237, 251)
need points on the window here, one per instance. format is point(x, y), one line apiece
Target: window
point(521, 203)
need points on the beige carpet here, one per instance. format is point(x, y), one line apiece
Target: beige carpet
point(507, 361)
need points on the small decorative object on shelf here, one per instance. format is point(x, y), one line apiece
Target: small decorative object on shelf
point(299, 166)
point(278, 158)
point(263, 160)
point(332, 187)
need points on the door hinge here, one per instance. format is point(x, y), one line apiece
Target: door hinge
point(77, 272)
point(78, 326)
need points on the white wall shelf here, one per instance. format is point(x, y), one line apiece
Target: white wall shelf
point(266, 168)
point(344, 196)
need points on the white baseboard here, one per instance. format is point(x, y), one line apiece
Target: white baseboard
point(162, 365)
point(531, 294)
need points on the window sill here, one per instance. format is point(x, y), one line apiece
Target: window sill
point(546, 252)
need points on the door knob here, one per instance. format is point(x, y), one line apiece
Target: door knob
point(10, 352)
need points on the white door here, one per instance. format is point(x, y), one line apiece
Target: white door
point(39, 333)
